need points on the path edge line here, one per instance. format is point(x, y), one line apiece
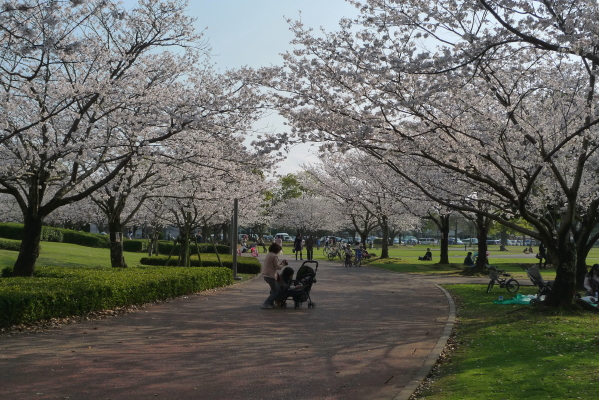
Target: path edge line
point(435, 353)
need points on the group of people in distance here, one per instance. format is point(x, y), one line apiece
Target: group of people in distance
point(299, 243)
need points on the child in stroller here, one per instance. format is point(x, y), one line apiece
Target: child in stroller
point(298, 289)
point(289, 288)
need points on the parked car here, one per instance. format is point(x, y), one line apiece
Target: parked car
point(454, 241)
point(494, 241)
point(427, 241)
point(470, 241)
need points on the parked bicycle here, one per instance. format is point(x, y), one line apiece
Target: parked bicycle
point(503, 279)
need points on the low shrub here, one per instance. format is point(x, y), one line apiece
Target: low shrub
point(11, 231)
point(135, 245)
point(166, 247)
point(50, 234)
point(62, 291)
point(13, 245)
point(85, 239)
point(245, 265)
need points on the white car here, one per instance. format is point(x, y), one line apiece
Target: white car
point(427, 241)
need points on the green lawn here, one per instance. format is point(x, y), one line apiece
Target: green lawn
point(517, 352)
point(71, 255)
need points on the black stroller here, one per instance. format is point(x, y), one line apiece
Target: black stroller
point(544, 287)
point(299, 288)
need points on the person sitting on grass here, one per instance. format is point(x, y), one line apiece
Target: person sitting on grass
point(591, 281)
point(428, 256)
point(468, 260)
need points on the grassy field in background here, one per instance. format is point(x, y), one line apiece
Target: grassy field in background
point(405, 259)
point(71, 255)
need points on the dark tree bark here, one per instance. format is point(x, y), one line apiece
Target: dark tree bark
point(364, 227)
point(385, 245)
point(564, 286)
point(117, 259)
point(482, 230)
point(444, 229)
point(30, 246)
point(442, 222)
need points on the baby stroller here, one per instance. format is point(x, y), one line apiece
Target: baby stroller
point(299, 288)
point(544, 288)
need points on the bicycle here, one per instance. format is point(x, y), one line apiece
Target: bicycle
point(348, 257)
point(358, 258)
point(332, 253)
point(504, 280)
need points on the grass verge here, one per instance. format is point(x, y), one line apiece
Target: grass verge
point(516, 352)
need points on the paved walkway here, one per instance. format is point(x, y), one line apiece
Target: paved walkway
point(373, 335)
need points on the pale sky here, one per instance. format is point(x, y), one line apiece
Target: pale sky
point(254, 33)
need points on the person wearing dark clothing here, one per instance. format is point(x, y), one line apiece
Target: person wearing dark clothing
point(260, 242)
point(468, 260)
point(591, 281)
point(297, 246)
point(309, 243)
point(428, 256)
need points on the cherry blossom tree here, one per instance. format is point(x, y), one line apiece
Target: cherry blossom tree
point(208, 175)
point(361, 185)
point(309, 214)
point(90, 87)
point(499, 95)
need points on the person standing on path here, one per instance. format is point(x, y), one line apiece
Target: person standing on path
point(297, 246)
point(309, 247)
point(270, 272)
point(279, 241)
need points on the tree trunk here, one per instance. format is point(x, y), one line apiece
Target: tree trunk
point(503, 237)
point(117, 258)
point(444, 228)
point(581, 265)
point(584, 240)
point(184, 249)
point(564, 286)
point(385, 244)
point(482, 228)
point(30, 247)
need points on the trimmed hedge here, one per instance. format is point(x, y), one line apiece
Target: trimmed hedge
point(135, 245)
point(49, 234)
point(13, 245)
point(11, 231)
point(245, 265)
point(84, 238)
point(15, 231)
point(166, 247)
point(62, 291)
